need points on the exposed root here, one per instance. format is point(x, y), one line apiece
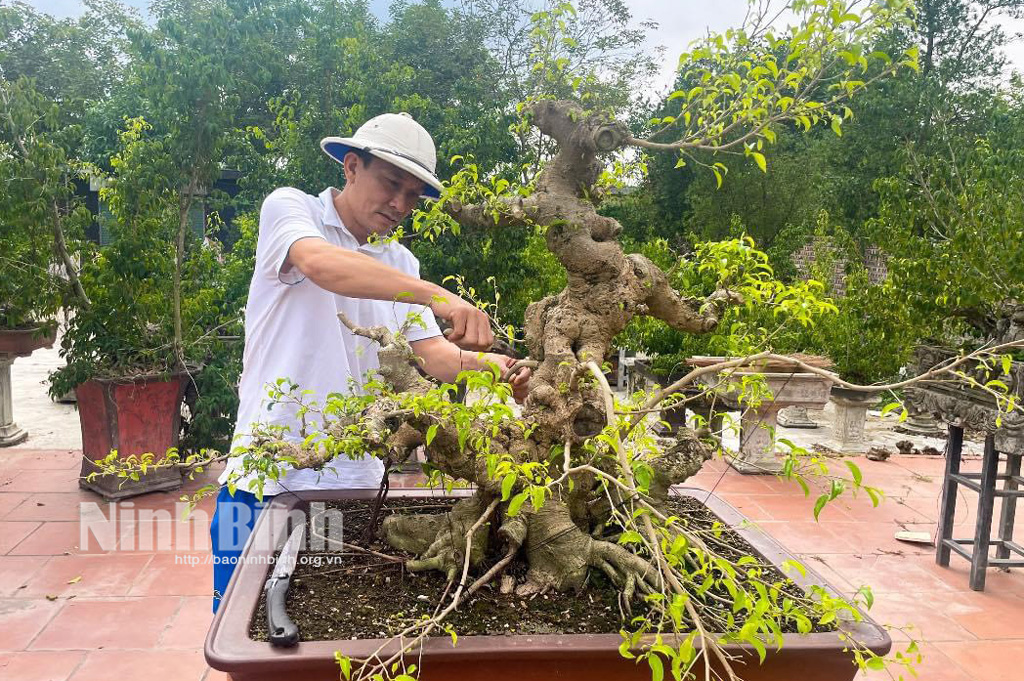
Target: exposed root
point(627, 570)
point(439, 540)
point(560, 556)
point(557, 551)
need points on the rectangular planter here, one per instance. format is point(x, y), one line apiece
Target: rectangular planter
point(595, 657)
point(133, 416)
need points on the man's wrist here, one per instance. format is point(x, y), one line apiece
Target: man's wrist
point(432, 295)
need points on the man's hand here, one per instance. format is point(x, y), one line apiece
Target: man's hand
point(471, 328)
point(520, 381)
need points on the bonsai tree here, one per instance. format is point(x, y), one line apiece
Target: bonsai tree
point(577, 483)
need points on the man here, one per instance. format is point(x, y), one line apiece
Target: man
point(315, 257)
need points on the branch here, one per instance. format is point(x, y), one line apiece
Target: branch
point(750, 360)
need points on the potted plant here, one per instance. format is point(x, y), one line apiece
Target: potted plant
point(153, 294)
point(40, 217)
point(577, 484)
point(157, 288)
point(523, 644)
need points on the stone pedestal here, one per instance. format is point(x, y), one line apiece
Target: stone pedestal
point(13, 344)
point(10, 432)
point(795, 417)
point(851, 413)
point(757, 455)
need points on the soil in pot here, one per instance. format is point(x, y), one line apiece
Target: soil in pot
point(364, 596)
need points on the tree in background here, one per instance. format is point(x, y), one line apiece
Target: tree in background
point(954, 226)
point(956, 89)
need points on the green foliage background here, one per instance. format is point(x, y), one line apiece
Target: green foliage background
point(928, 168)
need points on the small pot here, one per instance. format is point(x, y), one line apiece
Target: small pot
point(855, 397)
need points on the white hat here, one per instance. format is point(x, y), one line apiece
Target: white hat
point(397, 139)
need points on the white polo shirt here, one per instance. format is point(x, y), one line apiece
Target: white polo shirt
point(292, 331)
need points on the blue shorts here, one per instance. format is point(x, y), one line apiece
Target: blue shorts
point(232, 524)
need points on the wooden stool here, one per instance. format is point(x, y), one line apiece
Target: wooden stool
point(976, 549)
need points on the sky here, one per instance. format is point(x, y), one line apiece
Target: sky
point(679, 23)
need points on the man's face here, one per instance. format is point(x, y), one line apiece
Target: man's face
point(379, 195)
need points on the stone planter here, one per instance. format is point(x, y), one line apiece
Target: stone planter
point(959, 404)
point(594, 657)
point(851, 414)
point(133, 416)
point(757, 455)
point(13, 344)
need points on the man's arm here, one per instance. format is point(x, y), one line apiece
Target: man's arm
point(444, 361)
point(356, 275)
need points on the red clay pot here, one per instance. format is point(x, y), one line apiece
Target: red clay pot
point(133, 416)
point(810, 657)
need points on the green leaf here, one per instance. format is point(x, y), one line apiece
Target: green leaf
point(346, 665)
point(855, 471)
point(506, 485)
point(869, 596)
point(657, 668)
point(820, 504)
point(630, 537)
point(890, 407)
point(795, 566)
point(624, 647)
point(803, 485)
point(759, 646)
point(837, 126)
point(759, 159)
point(875, 495)
point(431, 434)
point(537, 497)
point(516, 503)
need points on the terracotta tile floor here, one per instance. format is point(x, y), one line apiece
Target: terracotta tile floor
point(108, 603)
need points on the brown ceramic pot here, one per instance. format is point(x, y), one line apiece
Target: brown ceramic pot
point(809, 657)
